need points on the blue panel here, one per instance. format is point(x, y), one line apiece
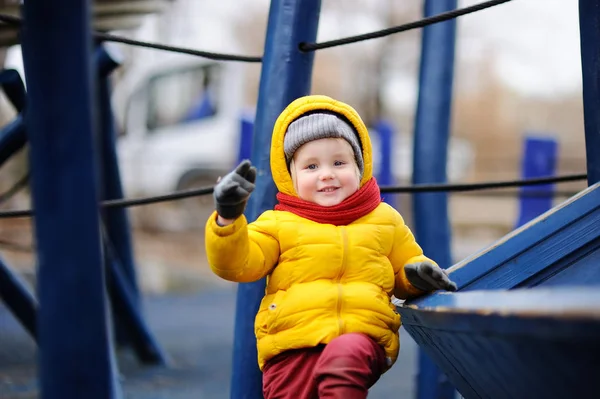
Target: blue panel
point(430, 156)
point(589, 20)
point(285, 76)
point(539, 160)
point(246, 131)
point(580, 268)
point(75, 358)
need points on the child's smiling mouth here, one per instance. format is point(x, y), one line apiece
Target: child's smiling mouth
point(328, 189)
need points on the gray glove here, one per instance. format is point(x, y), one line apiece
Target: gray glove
point(233, 190)
point(427, 276)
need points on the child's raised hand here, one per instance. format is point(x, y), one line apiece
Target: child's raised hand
point(427, 276)
point(233, 190)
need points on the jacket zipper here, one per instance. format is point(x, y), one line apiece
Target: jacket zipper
point(339, 278)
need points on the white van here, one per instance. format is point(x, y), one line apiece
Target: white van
point(179, 126)
point(180, 122)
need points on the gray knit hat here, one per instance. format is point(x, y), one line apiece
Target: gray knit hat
point(320, 125)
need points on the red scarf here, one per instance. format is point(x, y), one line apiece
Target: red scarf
point(362, 202)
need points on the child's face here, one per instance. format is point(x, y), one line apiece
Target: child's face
point(324, 171)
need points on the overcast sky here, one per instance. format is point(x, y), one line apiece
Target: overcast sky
point(537, 40)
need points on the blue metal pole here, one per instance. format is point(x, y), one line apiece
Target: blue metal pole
point(76, 355)
point(12, 138)
point(18, 299)
point(125, 306)
point(589, 20)
point(285, 75)
point(115, 220)
point(540, 156)
point(14, 88)
point(432, 130)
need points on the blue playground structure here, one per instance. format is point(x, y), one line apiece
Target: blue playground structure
point(524, 323)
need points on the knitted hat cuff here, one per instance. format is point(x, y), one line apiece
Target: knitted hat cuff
point(320, 125)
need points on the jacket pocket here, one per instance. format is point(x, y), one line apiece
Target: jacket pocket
point(273, 312)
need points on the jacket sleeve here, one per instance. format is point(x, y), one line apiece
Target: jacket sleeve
point(405, 250)
point(242, 252)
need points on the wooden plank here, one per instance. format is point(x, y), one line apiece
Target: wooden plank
point(560, 302)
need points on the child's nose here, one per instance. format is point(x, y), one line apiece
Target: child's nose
point(327, 175)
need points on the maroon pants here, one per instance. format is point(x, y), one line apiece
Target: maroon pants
point(345, 368)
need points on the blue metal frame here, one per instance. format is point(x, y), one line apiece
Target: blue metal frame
point(12, 136)
point(14, 88)
point(529, 343)
point(115, 219)
point(285, 76)
point(73, 313)
point(589, 20)
point(432, 130)
point(127, 312)
point(476, 340)
point(18, 299)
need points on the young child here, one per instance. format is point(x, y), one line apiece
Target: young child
point(332, 251)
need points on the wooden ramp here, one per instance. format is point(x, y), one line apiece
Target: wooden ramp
point(526, 320)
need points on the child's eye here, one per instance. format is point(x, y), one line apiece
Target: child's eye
point(312, 166)
point(339, 163)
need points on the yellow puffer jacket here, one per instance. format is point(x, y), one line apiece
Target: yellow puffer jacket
point(322, 280)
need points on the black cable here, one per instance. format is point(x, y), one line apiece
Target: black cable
point(9, 19)
point(199, 53)
point(419, 188)
point(438, 187)
point(402, 28)
point(177, 195)
point(518, 193)
point(8, 245)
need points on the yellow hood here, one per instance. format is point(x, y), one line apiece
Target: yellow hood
point(299, 107)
